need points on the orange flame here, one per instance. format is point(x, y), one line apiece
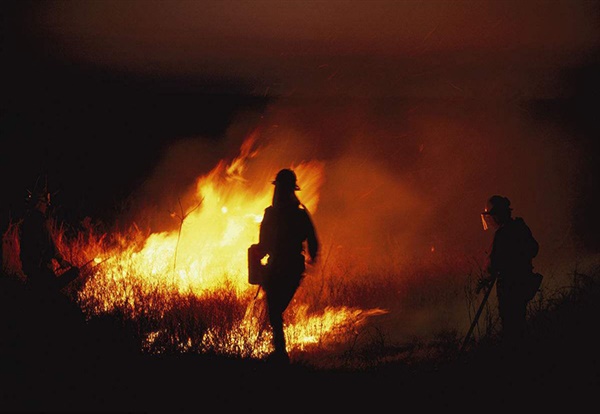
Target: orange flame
point(208, 252)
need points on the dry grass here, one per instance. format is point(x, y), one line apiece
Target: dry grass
point(194, 333)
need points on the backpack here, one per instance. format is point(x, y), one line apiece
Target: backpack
point(256, 270)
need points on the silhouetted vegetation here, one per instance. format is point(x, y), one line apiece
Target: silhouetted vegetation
point(99, 363)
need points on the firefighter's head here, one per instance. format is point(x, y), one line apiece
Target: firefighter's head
point(39, 199)
point(286, 180)
point(497, 212)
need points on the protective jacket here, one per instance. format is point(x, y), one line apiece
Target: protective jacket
point(37, 246)
point(513, 250)
point(283, 231)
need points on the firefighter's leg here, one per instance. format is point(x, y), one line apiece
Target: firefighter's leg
point(276, 320)
point(512, 315)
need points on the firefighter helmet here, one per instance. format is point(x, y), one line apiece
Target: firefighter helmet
point(39, 194)
point(286, 178)
point(496, 206)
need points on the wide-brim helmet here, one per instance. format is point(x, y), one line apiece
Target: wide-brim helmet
point(286, 178)
point(496, 206)
point(39, 194)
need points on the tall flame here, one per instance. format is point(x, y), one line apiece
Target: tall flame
point(208, 251)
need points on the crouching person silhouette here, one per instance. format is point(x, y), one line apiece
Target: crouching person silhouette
point(287, 233)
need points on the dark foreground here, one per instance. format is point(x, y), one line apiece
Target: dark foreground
point(98, 371)
point(171, 384)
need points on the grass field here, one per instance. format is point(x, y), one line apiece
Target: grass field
point(73, 363)
point(122, 339)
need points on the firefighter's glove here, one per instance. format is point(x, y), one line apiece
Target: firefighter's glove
point(483, 283)
point(64, 263)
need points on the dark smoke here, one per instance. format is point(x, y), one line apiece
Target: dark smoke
point(404, 184)
point(403, 177)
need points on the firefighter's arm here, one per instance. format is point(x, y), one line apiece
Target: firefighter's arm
point(492, 264)
point(487, 279)
point(485, 282)
point(265, 233)
point(311, 240)
point(63, 262)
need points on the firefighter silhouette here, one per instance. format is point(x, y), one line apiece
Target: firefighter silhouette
point(287, 236)
point(510, 263)
point(51, 314)
point(38, 251)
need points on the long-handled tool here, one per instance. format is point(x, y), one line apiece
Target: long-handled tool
point(477, 315)
point(71, 273)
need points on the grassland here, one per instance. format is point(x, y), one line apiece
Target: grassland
point(97, 364)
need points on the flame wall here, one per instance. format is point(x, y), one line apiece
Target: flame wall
point(399, 187)
point(402, 181)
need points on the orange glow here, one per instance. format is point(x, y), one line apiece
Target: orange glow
point(209, 252)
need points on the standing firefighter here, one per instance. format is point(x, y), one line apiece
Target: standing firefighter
point(284, 232)
point(510, 263)
point(38, 250)
point(55, 323)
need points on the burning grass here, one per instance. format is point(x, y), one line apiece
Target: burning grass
point(331, 316)
point(127, 281)
point(186, 291)
point(339, 330)
point(336, 320)
point(366, 369)
point(170, 306)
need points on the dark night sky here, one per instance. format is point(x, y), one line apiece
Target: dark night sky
point(95, 131)
point(93, 92)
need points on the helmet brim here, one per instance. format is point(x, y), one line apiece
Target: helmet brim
point(296, 188)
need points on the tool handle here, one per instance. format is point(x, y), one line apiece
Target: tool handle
point(477, 315)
